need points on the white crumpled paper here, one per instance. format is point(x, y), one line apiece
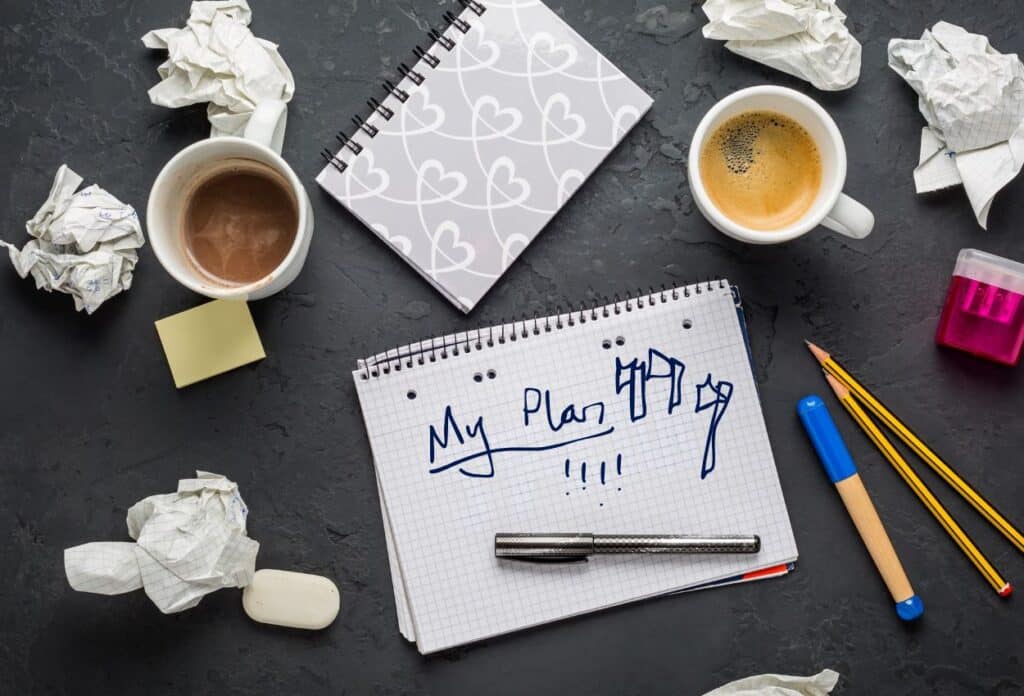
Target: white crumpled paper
point(820, 684)
point(804, 38)
point(84, 243)
point(216, 58)
point(972, 97)
point(187, 545)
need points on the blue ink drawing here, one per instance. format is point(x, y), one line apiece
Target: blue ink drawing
point(631, 377)
point(634, 376)
point(604, 471)
point(722, 393)
point(534, 400)
point(451, 427)
point(476, 432)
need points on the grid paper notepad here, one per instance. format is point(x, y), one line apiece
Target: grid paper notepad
point(481, 142)
point(641, 416)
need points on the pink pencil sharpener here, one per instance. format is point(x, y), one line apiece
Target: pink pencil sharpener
point(984, 311)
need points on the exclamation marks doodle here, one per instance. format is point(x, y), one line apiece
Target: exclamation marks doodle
point(605, 474)
point(618, 469)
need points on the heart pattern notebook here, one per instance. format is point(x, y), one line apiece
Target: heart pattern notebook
point(481, 142)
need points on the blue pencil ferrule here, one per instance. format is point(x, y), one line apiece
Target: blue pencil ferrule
point(826, 438)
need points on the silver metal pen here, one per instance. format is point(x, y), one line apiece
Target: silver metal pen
point(578, 546)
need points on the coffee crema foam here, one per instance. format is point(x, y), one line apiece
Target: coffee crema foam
point(761, 169)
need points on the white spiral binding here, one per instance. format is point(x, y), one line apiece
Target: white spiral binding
point(475, 340)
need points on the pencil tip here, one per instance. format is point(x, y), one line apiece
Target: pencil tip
point(819, 354)
point(838, 387)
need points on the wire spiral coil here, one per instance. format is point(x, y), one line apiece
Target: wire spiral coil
point(414, 74)
point(474, 340)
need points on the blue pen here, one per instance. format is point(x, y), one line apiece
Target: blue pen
point(840, 468)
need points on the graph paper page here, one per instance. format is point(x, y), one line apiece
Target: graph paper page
point(646, 420)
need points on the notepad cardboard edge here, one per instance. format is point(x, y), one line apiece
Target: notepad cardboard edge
point(766, 572)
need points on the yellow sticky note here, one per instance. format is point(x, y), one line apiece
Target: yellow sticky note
point(208, 340)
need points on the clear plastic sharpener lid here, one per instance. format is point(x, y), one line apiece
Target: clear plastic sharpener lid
point(990, 269)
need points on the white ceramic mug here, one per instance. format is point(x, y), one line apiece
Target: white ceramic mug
point(831, 208)
point(262, 143)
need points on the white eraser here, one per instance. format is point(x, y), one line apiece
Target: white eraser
point(296, 600)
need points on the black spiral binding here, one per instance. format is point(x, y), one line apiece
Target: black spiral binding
point(442, 348)
point(414, 74)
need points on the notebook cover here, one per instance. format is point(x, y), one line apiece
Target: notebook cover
point(486, 150)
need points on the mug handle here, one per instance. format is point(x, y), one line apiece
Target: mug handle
point(266, 125)
point(850, 218)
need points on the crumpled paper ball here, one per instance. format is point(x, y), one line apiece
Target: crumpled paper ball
point(820, 684)
point(972, 97)
point(187, 545)
point(85, 244)
point(804, 38)
point(216, 58)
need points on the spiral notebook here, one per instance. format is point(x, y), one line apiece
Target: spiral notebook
point(637, 416)
point(481, 142)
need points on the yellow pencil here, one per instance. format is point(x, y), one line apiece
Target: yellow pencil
point(987, 510)
point(987, 570)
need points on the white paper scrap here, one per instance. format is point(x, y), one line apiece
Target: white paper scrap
point(187, 545)
point(216, 58)
point(936, 168)
point(804, 38)
point(972, 97)
point(84, 244)
point(820, 684)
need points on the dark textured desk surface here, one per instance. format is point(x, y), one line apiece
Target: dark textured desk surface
point(90, 421)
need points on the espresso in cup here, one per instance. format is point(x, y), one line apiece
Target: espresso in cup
point(240, 221)
point(761, 169)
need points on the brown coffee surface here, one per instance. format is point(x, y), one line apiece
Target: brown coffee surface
point(761, 169)
point(240, 222)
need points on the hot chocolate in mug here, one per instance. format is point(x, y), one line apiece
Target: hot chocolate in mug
point(169, 197)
